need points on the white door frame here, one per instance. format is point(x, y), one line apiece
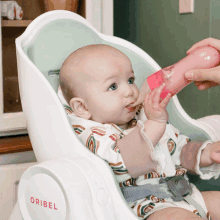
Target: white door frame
point(100, 14)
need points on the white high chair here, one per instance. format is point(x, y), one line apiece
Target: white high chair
point(70, 182)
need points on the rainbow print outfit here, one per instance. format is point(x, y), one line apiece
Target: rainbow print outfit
point(101, 139)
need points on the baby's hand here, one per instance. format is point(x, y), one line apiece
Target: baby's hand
point(155, 107)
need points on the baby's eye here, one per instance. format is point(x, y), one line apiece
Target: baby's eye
point(113, 87)
point(131, 80)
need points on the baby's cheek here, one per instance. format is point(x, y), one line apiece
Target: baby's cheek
point(137, 94)
point(109, 104)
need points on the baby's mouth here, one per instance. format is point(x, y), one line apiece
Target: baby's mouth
point(130, 108)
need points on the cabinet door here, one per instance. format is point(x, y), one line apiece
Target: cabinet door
point(12, 120)
point(10, 177)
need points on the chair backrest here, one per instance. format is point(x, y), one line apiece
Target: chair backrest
point(44, 46)
point(59, 38)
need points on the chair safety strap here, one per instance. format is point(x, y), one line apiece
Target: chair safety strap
point(176, 187)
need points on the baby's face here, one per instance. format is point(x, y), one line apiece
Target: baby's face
point(110, 89)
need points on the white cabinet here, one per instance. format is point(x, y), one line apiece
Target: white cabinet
point(12, 120)
point(10, 176)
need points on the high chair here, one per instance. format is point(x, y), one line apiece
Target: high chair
point(69, 181)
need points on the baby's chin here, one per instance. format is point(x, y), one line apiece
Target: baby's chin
point(119, 120)
point(123, 123)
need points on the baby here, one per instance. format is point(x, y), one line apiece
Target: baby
point(141, 146)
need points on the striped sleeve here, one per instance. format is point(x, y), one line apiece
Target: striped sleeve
point(102, 141)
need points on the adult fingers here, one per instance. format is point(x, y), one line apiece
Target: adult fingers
point(215, 156)
point(206, 85)
point(198, 83)
point(206, 42)
point(212, 74)
point(215, 152)
point(201, 85)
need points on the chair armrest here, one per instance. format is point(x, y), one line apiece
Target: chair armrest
point(211, 124)
point(68, 188)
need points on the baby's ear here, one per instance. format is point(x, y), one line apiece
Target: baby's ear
point(79, 108)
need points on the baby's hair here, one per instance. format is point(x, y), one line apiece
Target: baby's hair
point(68, 93)
point(65, 81)
point(66, 84)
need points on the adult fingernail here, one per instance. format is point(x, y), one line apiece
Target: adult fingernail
point(189, 75)
point(202, 87)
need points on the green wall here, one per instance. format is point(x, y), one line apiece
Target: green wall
point(125, 19)
point(157, 27)
point(166, 35)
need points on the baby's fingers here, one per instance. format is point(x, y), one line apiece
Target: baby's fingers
point(157, 93)
point(165, 101)
point(148, 99)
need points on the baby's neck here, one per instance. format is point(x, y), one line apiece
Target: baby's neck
point(124, 126)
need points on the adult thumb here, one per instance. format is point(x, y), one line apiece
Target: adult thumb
point(201, 75)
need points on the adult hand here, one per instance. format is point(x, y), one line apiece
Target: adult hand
point(205, 78)
point(211, 154)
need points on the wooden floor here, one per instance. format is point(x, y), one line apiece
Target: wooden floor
point(13, 144)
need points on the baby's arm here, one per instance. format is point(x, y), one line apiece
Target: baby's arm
point(138, 146)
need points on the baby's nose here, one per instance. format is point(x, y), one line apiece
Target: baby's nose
point(128, 91)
